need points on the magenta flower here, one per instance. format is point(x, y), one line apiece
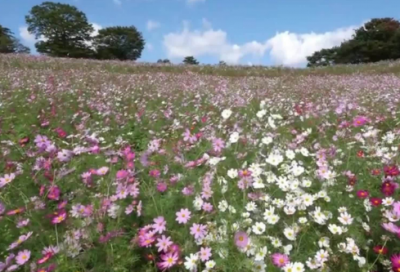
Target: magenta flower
point(23, 256)
point(155, 173)
point(360, 121)
point(199, 231)
point(163, 243)
point(54, 193)
point(122, 174)
point(241, 239)
point(205, 254)
point(159, 224)
point(183, 216)
point(280, 260)
point(362, 194)
point(395, 261)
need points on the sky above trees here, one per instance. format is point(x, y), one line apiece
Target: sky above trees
point(265, 32)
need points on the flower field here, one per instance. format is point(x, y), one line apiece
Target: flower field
point(109, 166)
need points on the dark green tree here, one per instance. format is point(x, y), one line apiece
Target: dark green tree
point(222, 63)
point(376, 40)
point(119, 42)
point(165, 61)
point(10, 44)
point(190, 60)
point(65, 28)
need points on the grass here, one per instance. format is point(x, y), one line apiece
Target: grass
point(94, 153)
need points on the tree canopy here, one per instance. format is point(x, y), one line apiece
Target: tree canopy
point(190, 60)
point(65, 29)
point(376, 40)
point(10, 44)
point(123, 43)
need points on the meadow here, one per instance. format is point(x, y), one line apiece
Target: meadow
point(114, 166)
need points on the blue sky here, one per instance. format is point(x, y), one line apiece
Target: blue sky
point(279, 32)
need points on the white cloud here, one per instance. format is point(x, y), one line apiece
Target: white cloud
point(291, 49)
point(285, 48)
point(96, 28)
point(151, 25)
point(26, 37)
point(117, 2)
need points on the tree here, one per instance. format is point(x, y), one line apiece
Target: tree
point(222, 63)
point(119, 42)
point(376, 40)
point(65, 30)
point(165, 61)
point(190, 60)
point(325, 57)
point(10, 44)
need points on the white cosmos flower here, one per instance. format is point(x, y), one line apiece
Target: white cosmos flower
point(304, 152)
point(259, 266)
point(260, 114)
point(234, 137)
point(290, 154)
point(261, 253)
point(267, 140)
point(191, 262)
point(297, 170)
point(251, 206)
point(298, 267)
point(232, 173)
point(259, 228)
point(274, 159)
point(226, 113)
point(345, 218)
point(258, 183)
point(335, 229)
point(289, 234)
point(210, 264)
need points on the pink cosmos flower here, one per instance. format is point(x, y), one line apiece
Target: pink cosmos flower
point(218, 144)
point(183, 216)
point(162, 187)
point(360, 121)
point(23, 256)
point(102, 171)
point(188, 190)
point(280, 260)
point(159, 224)
point(205, 254)
point(241, 239)
point(59, 217)
point(64, 155)
point(154, 173)
point(207, 207)
point(163, 243)
point(6, 179)
point(396, 208)
point(168, 260)
point(22, 223)
point(54, 193)
point(199, 231)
